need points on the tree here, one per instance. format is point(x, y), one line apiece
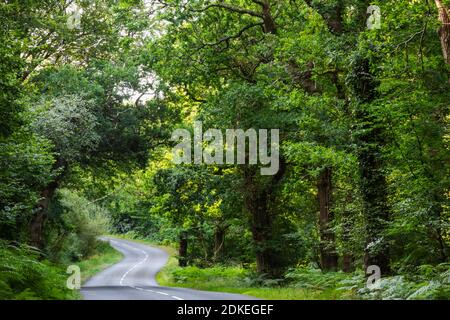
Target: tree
point(444, 30)
point(86, 122)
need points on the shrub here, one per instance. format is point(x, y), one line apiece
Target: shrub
point(23, 276)
point(429, 282)
point(228, 275)
point(80, 224)
point(311, 278)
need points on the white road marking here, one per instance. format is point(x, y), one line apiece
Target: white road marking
point(137, 264)
point(133, 267)
point(142, 289)
point(158, 292)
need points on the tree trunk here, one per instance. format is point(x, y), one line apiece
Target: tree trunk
point(328, 256)
point(444, 30)
point(375, 198)
point(373, 181)
point(257, 197)
point(182, 250)
point(37, 222)
point(333, 16)
point(219, 240)
point(436, 227)
point(347, 263)
point(269, 23)
point(347, 257)
point(255, 202)
point(261, 225)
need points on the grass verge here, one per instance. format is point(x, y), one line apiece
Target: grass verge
point(236, 280)
point(105, 257)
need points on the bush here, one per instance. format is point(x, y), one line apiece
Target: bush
point(79, 224)
point(310, 278)
point(228, 275)
point(25, 169)
point(428, 282)
point(23, 276)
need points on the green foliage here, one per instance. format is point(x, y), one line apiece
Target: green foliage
point(69, 123)
point(12, 65)
point(315, 279)
point(24, 277)
point(428, 282)
point(25, 168)
point(355, 101)
point(77, 224)
point(104, 256)
point(217, 274)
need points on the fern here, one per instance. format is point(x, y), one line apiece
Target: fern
point(23, 276)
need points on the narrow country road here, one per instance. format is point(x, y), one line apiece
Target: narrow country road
point(133, 278)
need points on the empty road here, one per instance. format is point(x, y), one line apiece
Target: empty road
point(133, 278)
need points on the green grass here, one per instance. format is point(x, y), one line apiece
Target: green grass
point(105, 257)
point(236, 280)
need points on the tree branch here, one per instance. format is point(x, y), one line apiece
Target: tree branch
point(228, 38)
point(231, 8)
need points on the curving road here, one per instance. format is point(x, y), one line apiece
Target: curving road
point(133, 278)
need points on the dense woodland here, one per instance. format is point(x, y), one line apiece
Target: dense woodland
point(87, 113)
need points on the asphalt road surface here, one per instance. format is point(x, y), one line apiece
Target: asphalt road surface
point(133, 278)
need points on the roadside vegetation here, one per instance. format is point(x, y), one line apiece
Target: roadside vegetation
point(308, 283)
point(23, 276)
point(27, 272)
point(104, 257)
point(26, 275)
point(300, 283)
